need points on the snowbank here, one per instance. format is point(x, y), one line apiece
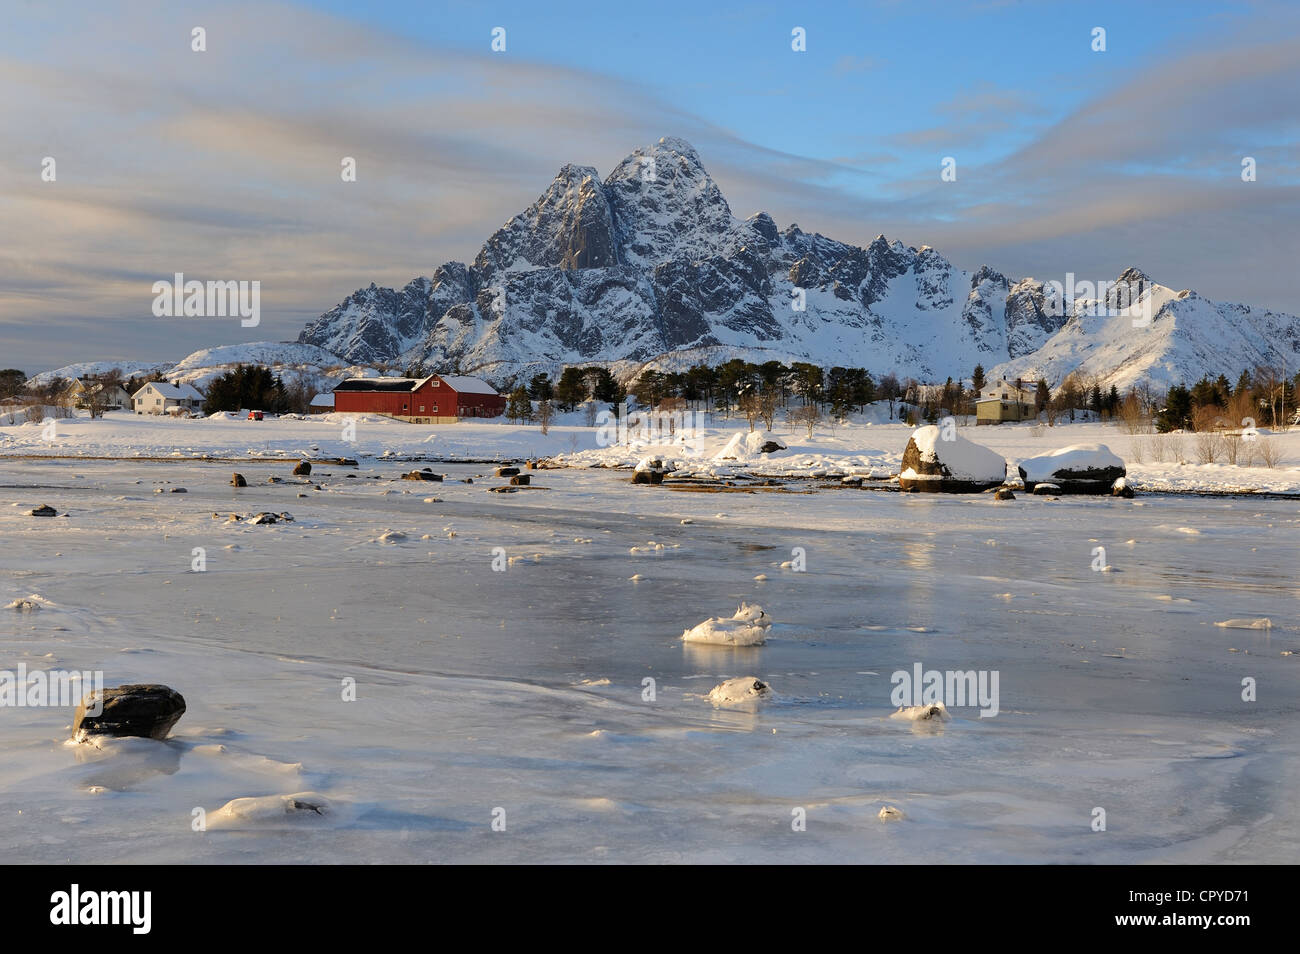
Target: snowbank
point(749, 445)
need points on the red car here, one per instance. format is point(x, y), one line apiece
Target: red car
point(254, 415)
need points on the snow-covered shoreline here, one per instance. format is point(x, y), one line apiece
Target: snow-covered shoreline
point(870, 450)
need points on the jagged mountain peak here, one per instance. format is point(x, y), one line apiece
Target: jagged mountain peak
point(649, 266)
point(1134, 276)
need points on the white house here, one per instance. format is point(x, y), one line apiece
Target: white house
point(159, 397)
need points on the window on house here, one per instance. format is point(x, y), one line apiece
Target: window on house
point(421, 408)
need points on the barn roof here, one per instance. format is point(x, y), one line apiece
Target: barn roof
point(461, 384)
point(399, 385)
point(467, 385)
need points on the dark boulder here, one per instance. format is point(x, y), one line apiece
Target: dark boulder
point(1003, 493)
point(521, 480)
point(507, 471)
point(45, 510)
point(425, 474)
point(237, 480)
point(146, 710)
point(302, 469)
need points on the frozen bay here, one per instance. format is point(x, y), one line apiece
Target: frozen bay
point(523, 690)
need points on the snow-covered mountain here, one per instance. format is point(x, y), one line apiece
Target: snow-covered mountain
point(289, 359)
point(650, 267)
point(1145, 331)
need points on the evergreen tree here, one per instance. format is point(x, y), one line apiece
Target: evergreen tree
point(571, 389)
point(977, 381)
point(519, 407)
point(540, 387)
point(1042, 395)
point(1177, 411)
point(603, 385)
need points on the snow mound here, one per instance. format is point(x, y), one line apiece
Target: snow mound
point(935, 711)
point(744, 690)
point(266, 808)
point(748, 445)
point(748, 627)
point(1262, 623)
point(31, 604)
point(1076, 458)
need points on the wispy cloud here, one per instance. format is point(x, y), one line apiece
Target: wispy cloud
point(226, 164)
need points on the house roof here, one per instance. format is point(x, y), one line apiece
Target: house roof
point(179, 392)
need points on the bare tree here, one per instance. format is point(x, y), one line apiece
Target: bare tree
point(767, 409)
point(1132, 413)
point(751, 406)
point(806, 416)
point(94, 397)
point(545, 413)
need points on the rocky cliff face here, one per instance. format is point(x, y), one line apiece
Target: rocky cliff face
point(650, 265)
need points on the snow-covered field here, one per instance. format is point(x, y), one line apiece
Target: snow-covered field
point(520, 695)
point(1167, 462)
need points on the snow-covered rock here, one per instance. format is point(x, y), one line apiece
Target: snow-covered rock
point(269, 808)
point(748, 627)
point(934, 712)
point(1077, 469)
point(748, 445)
point(742, 691)
point(951, 465)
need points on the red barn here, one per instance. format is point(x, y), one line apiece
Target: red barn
point(437, 399)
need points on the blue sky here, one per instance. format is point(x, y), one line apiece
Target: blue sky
point(224, 164)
